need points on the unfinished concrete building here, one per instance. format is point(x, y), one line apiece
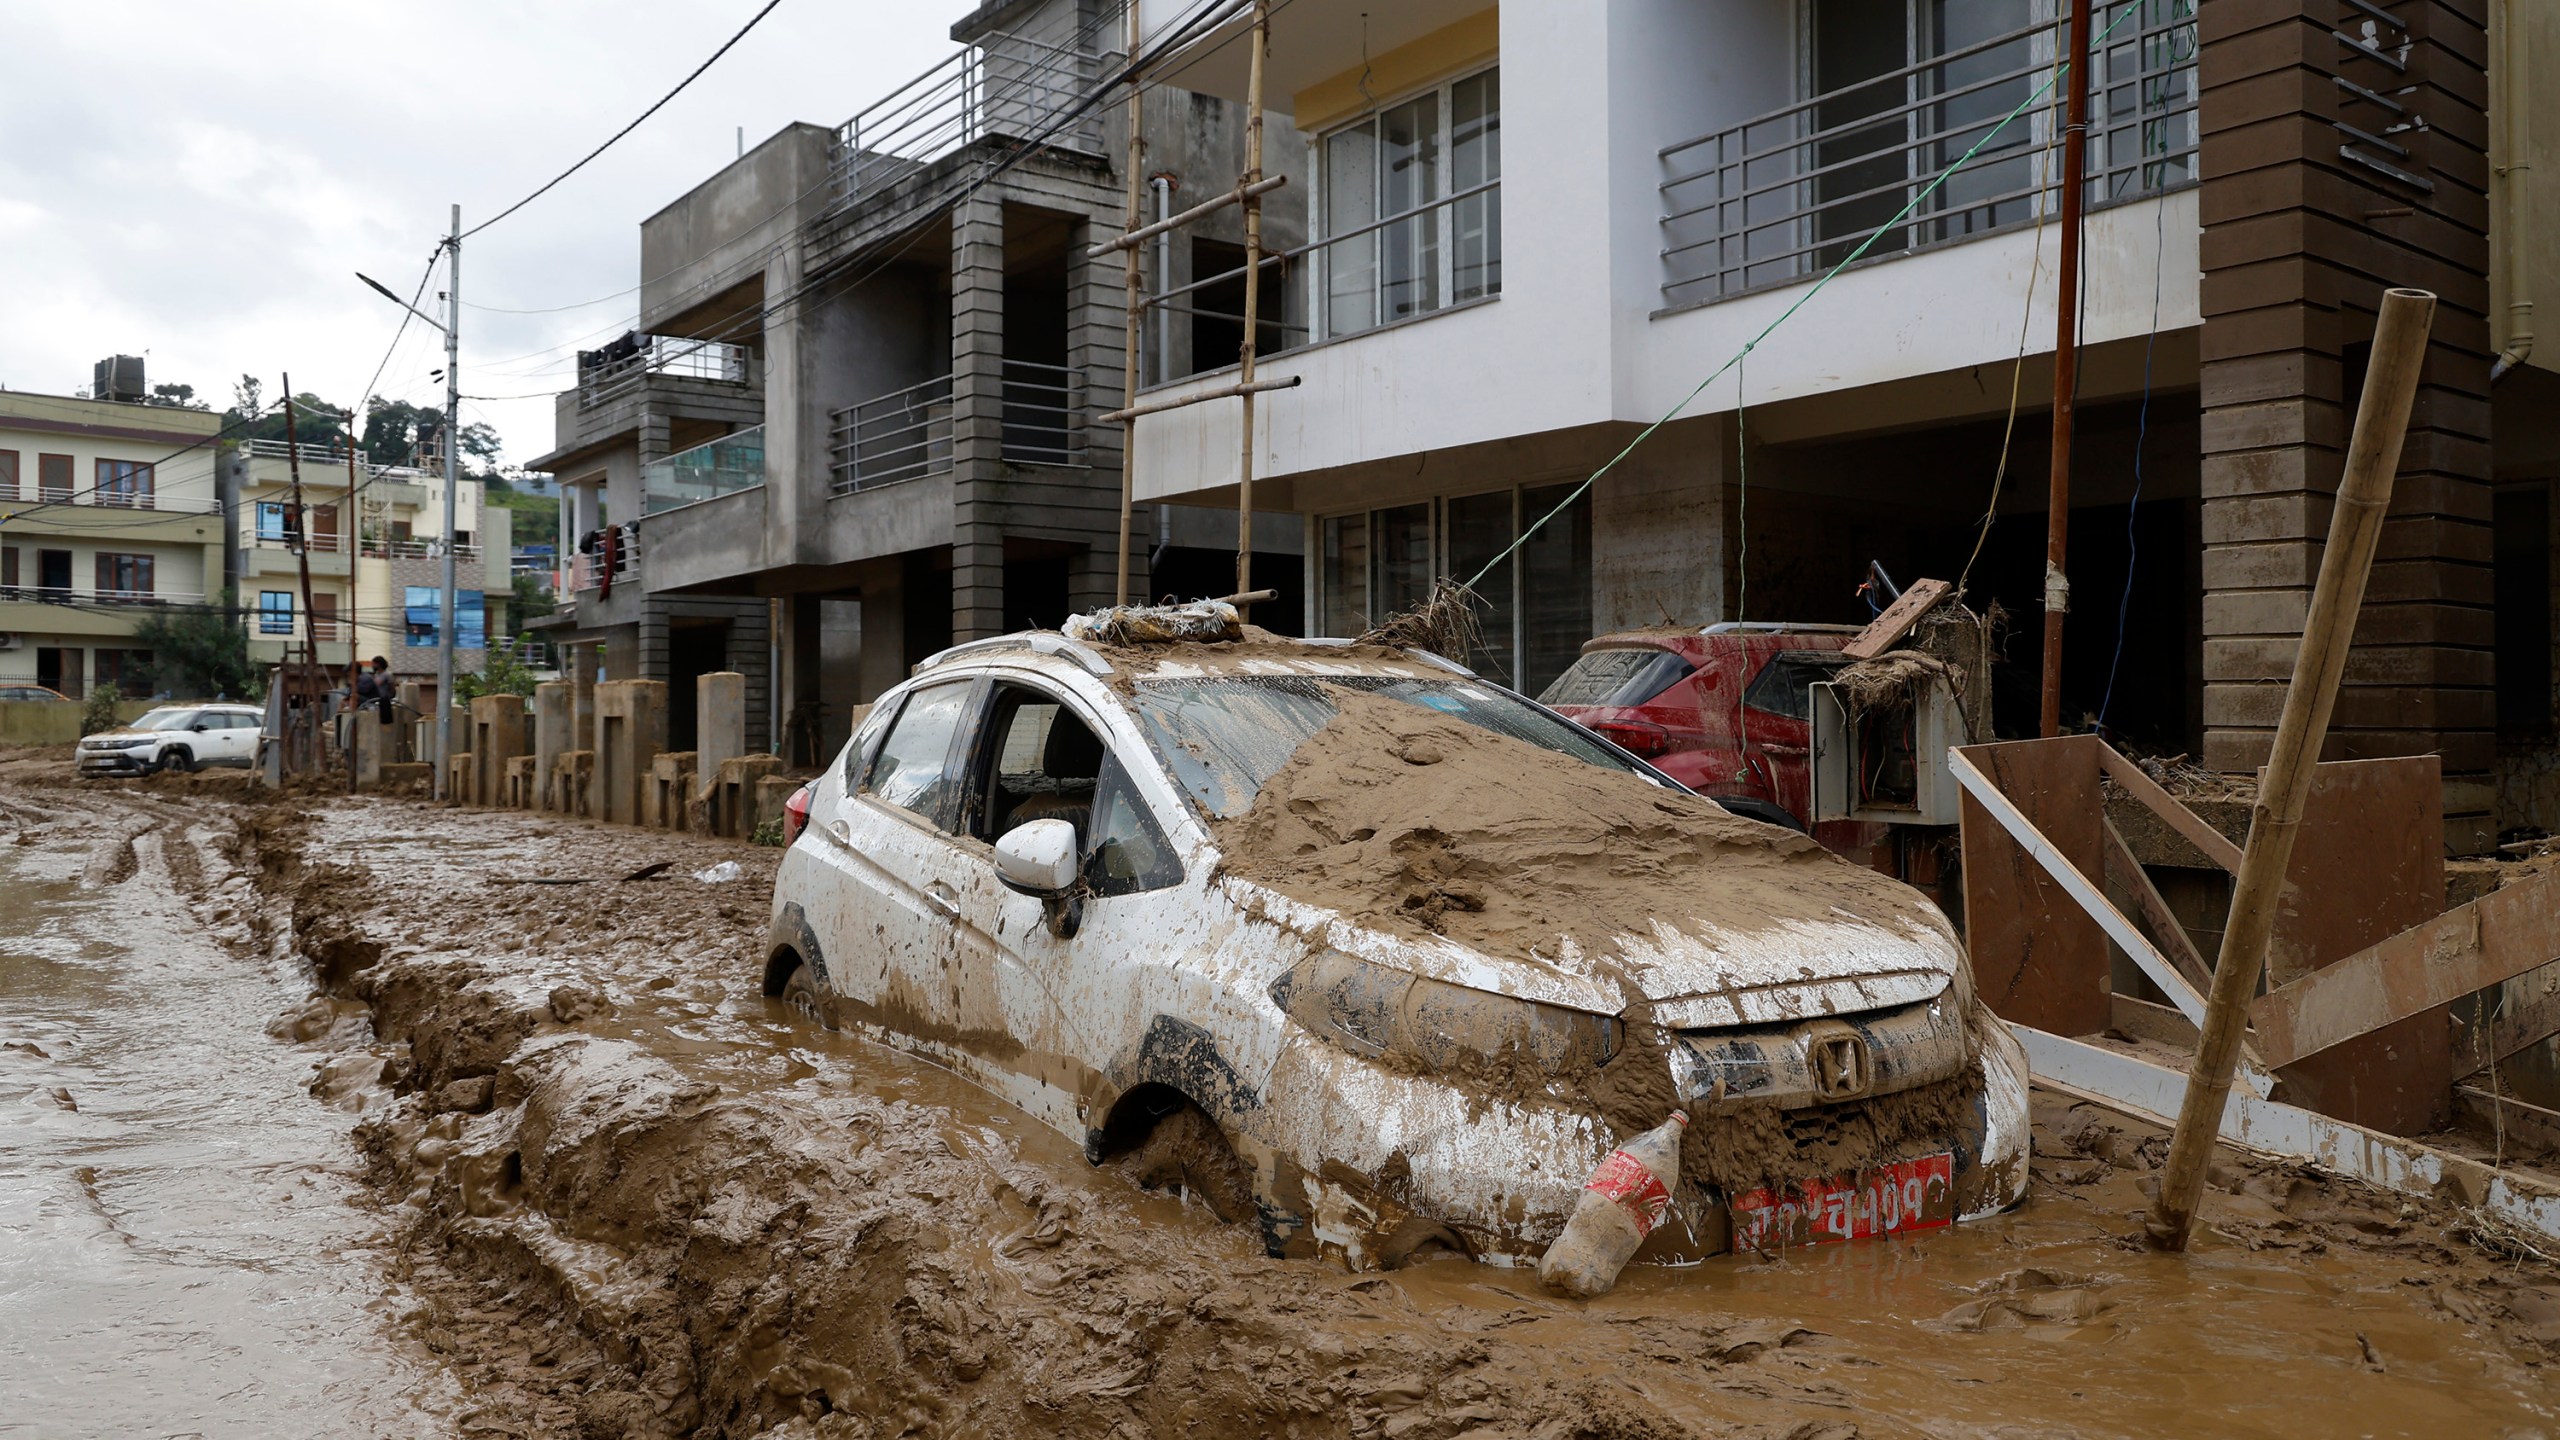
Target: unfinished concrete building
point(855, 421)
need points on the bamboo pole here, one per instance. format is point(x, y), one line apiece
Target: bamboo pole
point(1137, 307)
point(1249, 183)
point(2355, 531)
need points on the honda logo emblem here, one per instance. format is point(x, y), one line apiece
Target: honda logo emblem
point(1840, 1066)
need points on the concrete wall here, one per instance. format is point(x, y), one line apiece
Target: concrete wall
point(706, 242)
point(55, 722)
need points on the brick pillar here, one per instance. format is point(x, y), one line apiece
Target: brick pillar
point(2300, 239)
point(977, 419)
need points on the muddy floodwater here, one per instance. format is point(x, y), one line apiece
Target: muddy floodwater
point(372, 1137)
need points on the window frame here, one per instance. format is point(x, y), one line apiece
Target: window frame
point(983, 757)
point(1441, 209)
point(268, 611)
point(946, 821)
point(278, 510)
point(124, 564)
point(134, 487)
point(48, 467)
point(9, 475)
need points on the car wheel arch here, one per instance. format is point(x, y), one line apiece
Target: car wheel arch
point(790, 945)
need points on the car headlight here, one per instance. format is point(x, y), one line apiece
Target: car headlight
point(1376, 1011)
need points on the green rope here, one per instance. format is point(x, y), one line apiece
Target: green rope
point(2023, 106)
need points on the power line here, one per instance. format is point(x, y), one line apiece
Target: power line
point(627, 129)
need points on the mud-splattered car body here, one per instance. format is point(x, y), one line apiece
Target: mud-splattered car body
point(1168, 978)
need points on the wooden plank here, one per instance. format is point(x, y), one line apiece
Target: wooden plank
point(1886, 630)
point(2038, 957)
point(2216, 846)
point(2486, 1114)
point(2076, 885)
point(2527, 1019)
point(2493, 939)
point(2124, 870)
point(2157, 1023)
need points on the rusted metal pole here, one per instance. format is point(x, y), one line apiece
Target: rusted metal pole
point(1137, 314)
point(2355, 531)
point(2066, 367)
point(1252, 177)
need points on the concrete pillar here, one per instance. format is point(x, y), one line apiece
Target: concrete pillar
point(370, 744)
point(977, 418)
point(1659, 546)
point(720, 719)
point(582, 696)
point(2299, 242)
point(497, 737)
point(668, 799)
point(631, 731)
point(551, 702)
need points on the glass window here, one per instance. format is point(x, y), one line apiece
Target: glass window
point(8, 474)
point(1343, 577)
point(124, 483)
point(124, 575)
point(53, 477)
point(914, 769)
point(1041, 764)
point(275, 612)
point(1128, 851)
point(1403, 569)
point(271, 520)
point(1782, 686)
point(423, 608)
point(1555, 584)
point(1480, 528)
point(1223, 739)
point(1403, 246)
point(1616, 677)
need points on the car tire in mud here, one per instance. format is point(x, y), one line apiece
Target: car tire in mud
point(1186, 1151)
point(806, 1000)
point(179, 759)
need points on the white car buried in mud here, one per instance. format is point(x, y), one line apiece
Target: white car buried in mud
point(1417, 950)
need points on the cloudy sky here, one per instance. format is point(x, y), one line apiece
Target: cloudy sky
point(199, 181)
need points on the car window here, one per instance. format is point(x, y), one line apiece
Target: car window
point(865, 736)
point(914, 769)
point(1780, 687)
point(1224, 738)
point(1616, 677)
point(1128, 851)
point(167, 720)
point(1040, 762)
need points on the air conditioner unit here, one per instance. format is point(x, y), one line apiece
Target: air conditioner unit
point(1887, 765)
point(11, 640)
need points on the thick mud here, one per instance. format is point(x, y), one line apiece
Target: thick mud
point(621, 1193)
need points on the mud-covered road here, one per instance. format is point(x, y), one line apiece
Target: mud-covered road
point(372, 1137)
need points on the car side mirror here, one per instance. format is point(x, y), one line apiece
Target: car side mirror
point(200, 727)
point(1038, 858)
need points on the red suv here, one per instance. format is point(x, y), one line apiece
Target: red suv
point(1722, 710)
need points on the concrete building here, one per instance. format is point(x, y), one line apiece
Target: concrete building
point(855, 421)
point(108, 512)
point(1539, 228)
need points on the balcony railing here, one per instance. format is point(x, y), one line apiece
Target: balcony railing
point(377, 547)
point(906, 434)
point(1791, 193)
point(1008, 86)
point(314, 452)
point(319, 544)
point(611, 371)
point(588, 570)
point(724, 466)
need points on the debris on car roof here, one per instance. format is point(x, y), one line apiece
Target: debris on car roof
point(1210, 621)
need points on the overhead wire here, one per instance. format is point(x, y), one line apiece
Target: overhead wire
point(545, 187)
point(1800, 302)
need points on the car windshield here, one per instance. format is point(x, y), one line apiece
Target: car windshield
point(1223, 738)
point(168, 718)
point(1616, 677)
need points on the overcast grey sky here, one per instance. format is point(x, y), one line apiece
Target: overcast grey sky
point(200, 180)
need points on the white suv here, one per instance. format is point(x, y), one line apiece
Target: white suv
point(175, 737)
point(1024, 866)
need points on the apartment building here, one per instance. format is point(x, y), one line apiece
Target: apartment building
point(1538, 228)
point(108, 512)
point(855, 422)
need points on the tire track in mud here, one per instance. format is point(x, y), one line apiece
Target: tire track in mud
point(615, 1244)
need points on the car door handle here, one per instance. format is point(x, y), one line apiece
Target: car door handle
point(943, 898)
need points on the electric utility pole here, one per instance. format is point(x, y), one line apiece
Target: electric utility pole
point(452, 486)
point(2066, 369)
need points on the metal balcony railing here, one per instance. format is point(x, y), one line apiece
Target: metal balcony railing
point(587, 570)
point(906, 434)
point(1007, 86)
point(314, 452)
point(719, 467)
point(319, 544)
point(1791, 193)
point(903, 435)
point(375, 547)
point(611, 371)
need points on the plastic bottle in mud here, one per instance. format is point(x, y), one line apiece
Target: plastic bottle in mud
point(1621, 1203)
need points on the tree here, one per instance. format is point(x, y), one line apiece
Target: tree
point(500, 674)
point(176, 397)
point(198, 654)
point(316, 423)
point(527, 600)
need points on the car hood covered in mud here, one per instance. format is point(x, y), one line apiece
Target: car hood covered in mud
point(1415, 840)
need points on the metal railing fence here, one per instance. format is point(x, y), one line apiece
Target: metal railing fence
point(903, 435)
point(1003, 85)
point(1788, 194)
point(677, 355)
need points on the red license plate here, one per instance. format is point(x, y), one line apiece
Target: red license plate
point(1888, 1200)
